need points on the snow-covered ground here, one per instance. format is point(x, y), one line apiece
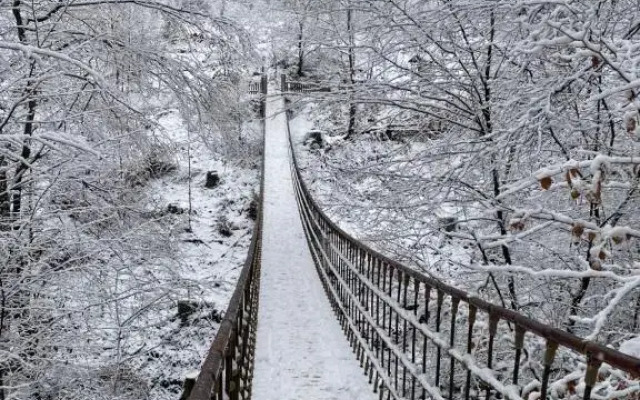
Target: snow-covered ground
point(301, 350)
point(141, 306)
point(343, 182)
point(212, 246)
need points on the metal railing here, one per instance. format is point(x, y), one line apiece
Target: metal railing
point(418, 338)
point(257, 87)
point(227, 371)
point(289, 86)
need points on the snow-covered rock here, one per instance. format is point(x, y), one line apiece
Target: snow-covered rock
point(631, 347)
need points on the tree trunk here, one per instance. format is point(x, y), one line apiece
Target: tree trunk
point(300, 48)
point(352, 106)
point(495, 173)
point(21, 170)
point(5, 199)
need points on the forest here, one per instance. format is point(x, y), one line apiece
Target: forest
point(492, 144)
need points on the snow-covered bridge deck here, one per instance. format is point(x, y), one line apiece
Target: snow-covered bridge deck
point(414, 337)
point(301, 350)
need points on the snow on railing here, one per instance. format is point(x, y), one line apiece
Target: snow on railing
point(227, 371)
point(418, 338)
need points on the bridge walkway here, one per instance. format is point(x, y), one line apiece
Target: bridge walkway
point(301, 351)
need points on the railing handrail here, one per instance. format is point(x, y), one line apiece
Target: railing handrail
point(595, 353)
point(209, 383)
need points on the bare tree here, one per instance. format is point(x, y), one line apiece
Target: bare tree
point(516, 123)
point(85, 257)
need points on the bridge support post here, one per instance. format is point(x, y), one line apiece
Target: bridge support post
point(263, 89)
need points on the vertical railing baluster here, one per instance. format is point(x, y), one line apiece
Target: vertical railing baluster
point(370, 303)
point(384, 290)
point(341, 282)
point(519, 343)
point(397, 323)
point(425, 354)
point(383, 347)
point(440, 298)
point(493, 327)
point(360, 295)
point(334, 254)
point(364, 279)
point(369, 276)
point(389, 353)
point(390, 294)
point(377, 270)
point(379, 275)
point(371, 371)
point(405, 329)
point(346, 299)
point(416, 292)
point(360, 322)
point(472, 320)
point(591, 376)
point(343, 264)
point(348, 273)
point(244, 336)
point(383, 343)
point(390, 322)
point(549, 356)
point(455, 302)
point(352, 277)
point(229, 370)
point(370, 306)
point(359, 349)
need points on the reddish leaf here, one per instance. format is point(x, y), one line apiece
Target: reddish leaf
point(546, 182)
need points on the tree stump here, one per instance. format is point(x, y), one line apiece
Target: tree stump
point(314, 139)
point(449, 224)
point(213, 180)
point(185, 309)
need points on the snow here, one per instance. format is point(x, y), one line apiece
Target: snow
point(201, 244)
point(301, 351)
point(631, 347)
point(207, 264)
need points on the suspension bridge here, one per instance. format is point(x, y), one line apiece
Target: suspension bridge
point(318, 315)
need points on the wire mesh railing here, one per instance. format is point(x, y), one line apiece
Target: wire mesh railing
point(418, 338)
point(227, 371)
